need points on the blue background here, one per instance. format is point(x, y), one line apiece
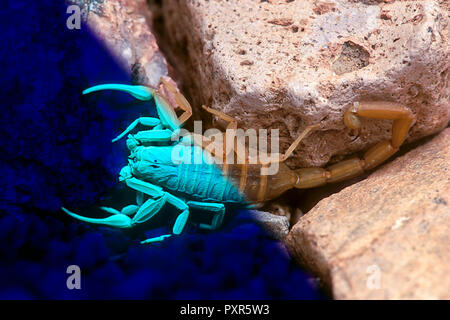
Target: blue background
point(55, 150)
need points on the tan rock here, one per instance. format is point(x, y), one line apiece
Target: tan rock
point(289, 64)
point(386, 237)
point(124, 26)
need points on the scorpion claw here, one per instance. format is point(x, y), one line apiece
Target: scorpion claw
point(139, 92)
point(117, 220)
point(110, 210)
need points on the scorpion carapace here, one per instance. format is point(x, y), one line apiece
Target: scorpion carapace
point(160, 174)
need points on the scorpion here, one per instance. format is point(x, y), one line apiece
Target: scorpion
point(159, 177)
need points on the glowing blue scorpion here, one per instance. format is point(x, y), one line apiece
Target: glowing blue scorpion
point(158, 169)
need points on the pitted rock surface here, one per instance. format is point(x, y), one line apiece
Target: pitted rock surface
point(289, 64)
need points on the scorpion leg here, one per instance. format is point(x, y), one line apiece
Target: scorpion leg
point(273, 159)
point(217, 208)
point(230, 146)
point(402, 120)
point(229, 138)
point(180, 221)
point(294, 144)
point(269, 160)
point(182, 218)
point(148, 212)
point(149, 136)
point(145, 121)
point(280, 158)
point(180, 100)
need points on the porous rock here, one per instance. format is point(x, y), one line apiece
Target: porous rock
point(125, 29)
point(386, 237)
point(288, 64)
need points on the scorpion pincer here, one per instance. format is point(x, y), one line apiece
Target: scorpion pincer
point(183, 173)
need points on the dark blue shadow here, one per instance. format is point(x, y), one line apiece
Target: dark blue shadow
point(55, 150)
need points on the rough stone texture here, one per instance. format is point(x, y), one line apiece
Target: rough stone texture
point(396, 221)
point(124, 26)
point(278, 226)
point(288, 64)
